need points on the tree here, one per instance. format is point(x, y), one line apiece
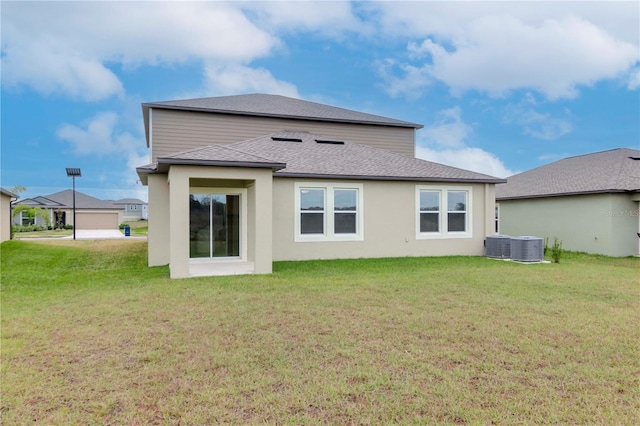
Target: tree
point(17, 189)
point(32, 213)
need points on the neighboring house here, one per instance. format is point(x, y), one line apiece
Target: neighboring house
point(6, 198)
point(91, 213)
point(134, 209)
point(590, 202)
point(239, 181)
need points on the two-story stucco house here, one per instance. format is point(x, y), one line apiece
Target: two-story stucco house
point(237, 182)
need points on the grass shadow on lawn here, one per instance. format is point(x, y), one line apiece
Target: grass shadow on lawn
point(92, 335)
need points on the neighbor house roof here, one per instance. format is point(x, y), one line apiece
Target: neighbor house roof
point(64, 199)
point(302, 154)
point(129, 201)
point(264, 105)
point(42, 202)
point(617, 170)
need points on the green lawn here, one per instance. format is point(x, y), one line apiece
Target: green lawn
point(90, 335)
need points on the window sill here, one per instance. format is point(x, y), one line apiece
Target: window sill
point(325, 238)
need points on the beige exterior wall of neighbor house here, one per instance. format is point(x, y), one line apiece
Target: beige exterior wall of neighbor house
point(390, 225)
point(597, 223)
point(174, 189)
point(174, 131)
point(5, 217)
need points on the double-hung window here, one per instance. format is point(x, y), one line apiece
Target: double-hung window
point(312, 211)
point(443, 212)
point(329, 212)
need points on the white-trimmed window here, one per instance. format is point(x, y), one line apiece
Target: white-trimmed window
point(443, 212)
point(328, 212)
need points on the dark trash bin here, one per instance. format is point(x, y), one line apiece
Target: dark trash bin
point(127, 231)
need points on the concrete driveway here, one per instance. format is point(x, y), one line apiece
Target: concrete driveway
point(97, 234)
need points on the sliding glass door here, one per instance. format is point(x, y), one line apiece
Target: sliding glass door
point(214, 224)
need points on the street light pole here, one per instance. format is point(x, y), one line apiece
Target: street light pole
point(73, 172)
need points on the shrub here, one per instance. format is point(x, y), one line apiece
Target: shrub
point(28, 228)
point(556, 250)
point(67, 226)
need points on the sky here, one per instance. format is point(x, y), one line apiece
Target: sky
point(500, 87)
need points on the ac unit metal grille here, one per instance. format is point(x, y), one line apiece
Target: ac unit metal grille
point(527, 249)
point(498, 246)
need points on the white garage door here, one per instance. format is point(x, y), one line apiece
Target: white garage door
point(97, 220)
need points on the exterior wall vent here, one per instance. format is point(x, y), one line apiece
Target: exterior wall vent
point(527, 249)
point(330, 142)
point(498, 246)
point(281, 139)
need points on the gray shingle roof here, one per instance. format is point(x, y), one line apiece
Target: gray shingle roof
point(129, 201)
point(277, 106)
point(42, 202)
point(83, 201)
point(600, 172)
point(218, 155)
point(308, 158)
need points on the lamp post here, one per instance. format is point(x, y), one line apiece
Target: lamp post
point(73, 172)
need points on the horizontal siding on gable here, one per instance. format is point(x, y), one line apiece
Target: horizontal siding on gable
point(175, 131)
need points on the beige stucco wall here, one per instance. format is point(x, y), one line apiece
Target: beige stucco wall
point(389, 224)
point(5, 217)
point(169, 213)
point(598, 223)
point(173, 131)
point(158, 221)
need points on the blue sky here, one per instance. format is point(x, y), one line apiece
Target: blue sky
point(499, 87)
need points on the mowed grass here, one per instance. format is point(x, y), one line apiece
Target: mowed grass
point(90, 335)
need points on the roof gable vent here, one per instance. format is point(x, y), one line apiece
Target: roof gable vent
point(329, 142)
point(282, 139)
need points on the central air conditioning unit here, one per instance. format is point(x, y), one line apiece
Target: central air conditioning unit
point(498, 246)
point(527, 249)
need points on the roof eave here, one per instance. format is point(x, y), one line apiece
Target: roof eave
point(386, 178)
point(145, 119)
point(164, 163)
point(565, 194)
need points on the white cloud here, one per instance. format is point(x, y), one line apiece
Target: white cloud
point(236, 79)
point(446, 142)
point(498, 47)
point(412, 82)
point(468, 158)
point(99, 137)
point(67, 47)
point(332, 18)
point(450, 130)
point(537, 124)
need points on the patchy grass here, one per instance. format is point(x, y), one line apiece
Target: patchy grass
point(52, 233)
point(91, 335)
